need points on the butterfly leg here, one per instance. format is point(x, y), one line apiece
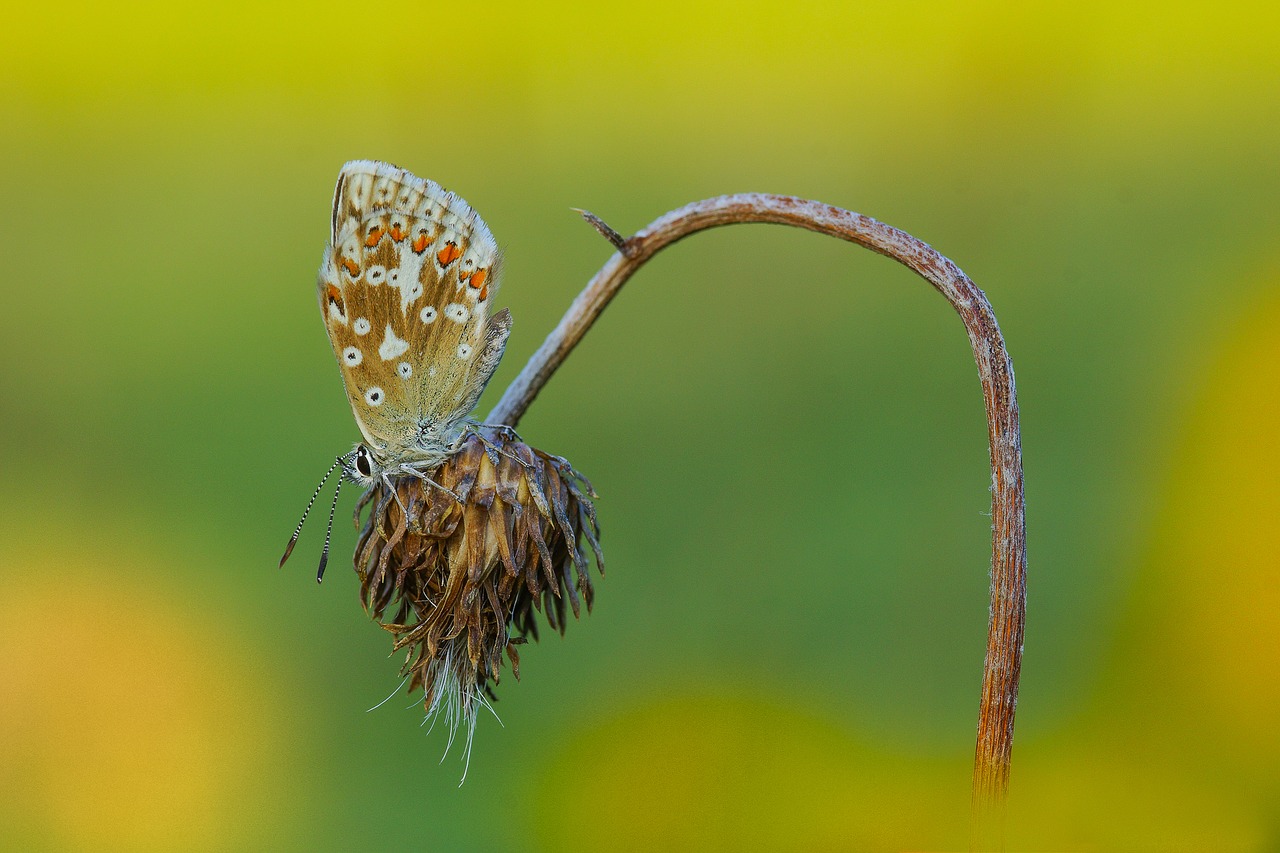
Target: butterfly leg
point(507, 432)
point(421, 476)
point(395, 493)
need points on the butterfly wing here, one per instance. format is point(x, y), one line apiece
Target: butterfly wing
point(405, 289)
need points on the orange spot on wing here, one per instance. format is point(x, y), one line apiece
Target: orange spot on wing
point(334, 295)
point(484, 294)
point(398, 233)
point(477, 281)
point(448, 254)
point(375, 234)
point(421, 242)
point(352, 268)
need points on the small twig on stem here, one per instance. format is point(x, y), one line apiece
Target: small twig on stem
point(995, 370)
point(619, 242)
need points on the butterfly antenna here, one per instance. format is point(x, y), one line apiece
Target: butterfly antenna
point(297, 530)
point(328, 534)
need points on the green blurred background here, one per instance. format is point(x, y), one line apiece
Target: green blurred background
point(786, 431)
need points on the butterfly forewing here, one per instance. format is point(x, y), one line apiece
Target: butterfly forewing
point(405, 288)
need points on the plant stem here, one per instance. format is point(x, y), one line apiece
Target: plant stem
point(1008, 535)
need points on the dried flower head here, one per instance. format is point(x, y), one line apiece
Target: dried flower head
point(455, 567)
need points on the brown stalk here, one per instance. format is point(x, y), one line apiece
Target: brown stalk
point(995, 370)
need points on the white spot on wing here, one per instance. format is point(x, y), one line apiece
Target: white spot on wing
point(408, 279)
point(428, 315)
point(464, 351)
point(336, 313)
point(405, 369)
point(375, 274)
point(456, 312)
point(374, 396)
point(392, 346)
point(351, 356)
point(361, 326)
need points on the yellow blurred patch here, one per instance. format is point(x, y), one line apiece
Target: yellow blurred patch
point(734, 773)
point(1217, 554)
point(126, 723)
point(1148, 57)
point(1090, 793)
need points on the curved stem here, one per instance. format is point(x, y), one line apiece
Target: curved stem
point(1008, 537)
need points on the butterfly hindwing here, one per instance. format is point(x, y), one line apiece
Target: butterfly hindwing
point(405, 288)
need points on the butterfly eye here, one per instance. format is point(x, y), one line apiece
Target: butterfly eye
point(363, 465)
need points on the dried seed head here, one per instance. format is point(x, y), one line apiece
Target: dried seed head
point(455, 567)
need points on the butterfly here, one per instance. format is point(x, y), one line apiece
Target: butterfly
point(406, 286)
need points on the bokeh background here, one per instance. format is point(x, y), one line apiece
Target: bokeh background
point(787, 431)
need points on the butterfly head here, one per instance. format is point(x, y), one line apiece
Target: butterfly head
point(361, 466)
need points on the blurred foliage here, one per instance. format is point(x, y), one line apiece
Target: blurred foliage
point(787, 432)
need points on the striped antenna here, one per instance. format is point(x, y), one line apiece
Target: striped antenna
point(297, 530)
point(324, 555)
